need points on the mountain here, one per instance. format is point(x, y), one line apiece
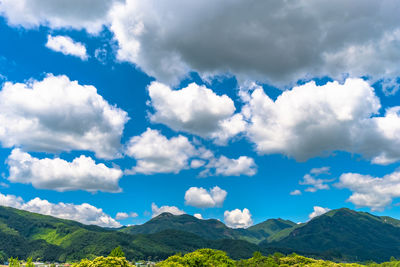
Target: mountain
point(343, 234)
point(340, 235)
point(209, 229)
point(24, 234)
point(271, 227)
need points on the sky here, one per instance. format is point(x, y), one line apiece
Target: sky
point(114, 111)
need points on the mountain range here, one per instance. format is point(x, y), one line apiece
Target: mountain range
point(341, 235)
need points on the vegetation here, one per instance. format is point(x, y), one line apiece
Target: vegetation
point(209, 257)
point(104, 262)
point(202, 257)
point(14, 262)
point(339, 235)
point(117, 252)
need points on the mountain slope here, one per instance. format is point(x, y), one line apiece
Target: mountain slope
point(271, 227)
point(346, 235)
point(209, 229)
point(24, 234)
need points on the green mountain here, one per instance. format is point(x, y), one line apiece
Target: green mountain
point(343, 234)
point(24, 234)
point(271, 227)
point(209, 229)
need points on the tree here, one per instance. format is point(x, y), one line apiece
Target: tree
point(202, 257)
point(29, 262)
point(3, 257)
point(104, 262)
point(117, 252)
point(14, 262)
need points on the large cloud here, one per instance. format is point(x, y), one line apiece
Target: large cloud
point(279, 41)
point(195, 109)
point(67, 46)
point(57, 114)
point(201, 198)
point(310, 120)
point(170, 209)
point(237, 218)
point(57, 174)
point(373, 192)
point(154, 153)
point(78, 14)
point(84, 213)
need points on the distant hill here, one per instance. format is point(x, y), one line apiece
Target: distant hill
point(24, 234)
point(341, 235)
point(209, 229)
point(344, 234)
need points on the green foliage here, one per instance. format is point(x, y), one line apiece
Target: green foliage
point(104, 262)
point(117, 252)
point(14, 262)
point(202, 257)
point(3, 257)
point(29, 262)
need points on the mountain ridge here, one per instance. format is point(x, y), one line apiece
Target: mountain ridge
point(340, 235)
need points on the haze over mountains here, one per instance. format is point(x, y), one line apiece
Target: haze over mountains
point(341, 234)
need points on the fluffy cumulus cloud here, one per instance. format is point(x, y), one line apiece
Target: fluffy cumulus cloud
point(84, 213)
point(67, 46)
point(201, 198)
point(311, 120)
point(57, 174)
point(57, 114)
point(230, 167)
point(373, 192)
point(317, 212)
point(124, 215)
point(77, 14)
point(154, 153)
point(315, 184)
point(237, 218)
point(267, 41)
point(170, 209)
point(195, 109)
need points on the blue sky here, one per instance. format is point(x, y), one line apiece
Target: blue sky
point(198, 113)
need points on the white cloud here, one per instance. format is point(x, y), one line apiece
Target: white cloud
point(57, 114)
point(57, 174)
point(195, 109)
point(155, 153)
point(124, 215)
point(373, 192)
point(198, 216)
point(201, 198)
point(67, 46)
point(170, 209)
point(322, 170)
point(314, 183)
point(311, 120)
point(230, 167)
point(76, 14)
point(296, 192)
point(196, 163)
point(84, 213)
point(237, 218)
point(317, 212)
point(266, 42)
